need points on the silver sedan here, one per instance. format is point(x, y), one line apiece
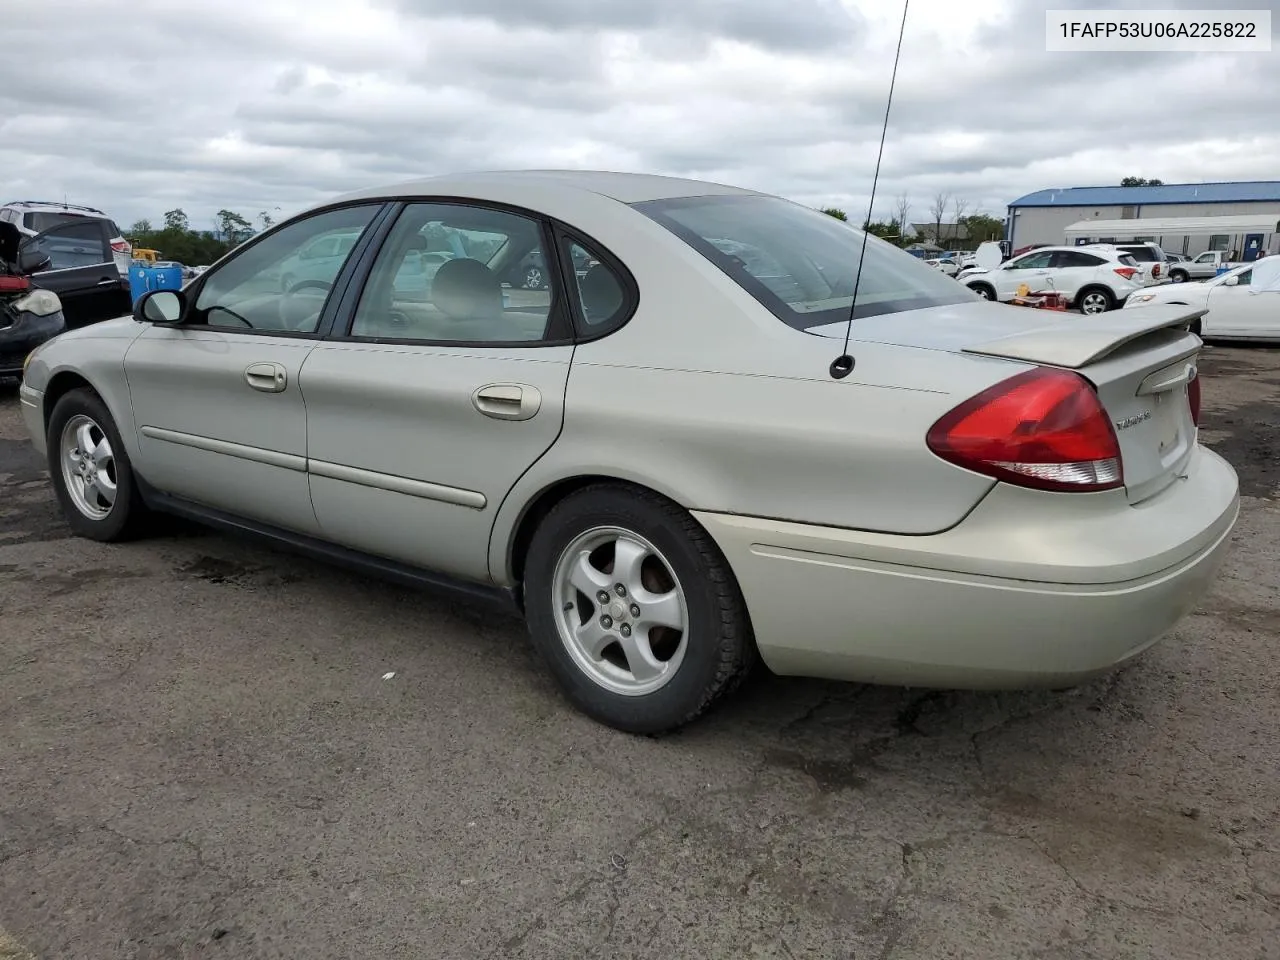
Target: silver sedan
point(669, 463)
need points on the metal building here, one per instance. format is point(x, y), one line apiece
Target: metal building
point(1044, 216)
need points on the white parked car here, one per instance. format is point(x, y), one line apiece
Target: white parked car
point(34, 217)
point(670, 465)
point(1237, 308)
point(1094, 279)
point(945, 265)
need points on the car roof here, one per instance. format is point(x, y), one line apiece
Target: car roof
point(52, 206)
point(623, 187)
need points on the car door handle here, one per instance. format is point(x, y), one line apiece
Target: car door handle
point(266, 377)
point(107, 281)
point(507, 401)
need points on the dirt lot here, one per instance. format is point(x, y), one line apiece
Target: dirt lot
point(200, 757)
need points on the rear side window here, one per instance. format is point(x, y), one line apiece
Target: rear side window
point(1074, 258)
point(800, 263)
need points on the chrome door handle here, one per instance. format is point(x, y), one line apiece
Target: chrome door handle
point(507, 401)
point(266, 377)
point(107, 281)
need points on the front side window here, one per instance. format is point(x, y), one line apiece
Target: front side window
point(75, 243)
point(270, 286)
point(800, 263)
point(459, 273)
point(1032, 261)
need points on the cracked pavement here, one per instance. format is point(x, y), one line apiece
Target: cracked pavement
point(200, 758)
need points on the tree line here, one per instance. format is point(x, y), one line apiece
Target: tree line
point(945, 210)
point(177, 240)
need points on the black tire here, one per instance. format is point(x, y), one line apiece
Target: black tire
point(128, 516)
point(720, 649)
point(984, 290)
point(1179, 276)
point(1102, 294)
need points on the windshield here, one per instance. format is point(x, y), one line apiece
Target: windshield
point(801, 263)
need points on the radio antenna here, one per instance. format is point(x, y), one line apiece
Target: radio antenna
point(842, 365)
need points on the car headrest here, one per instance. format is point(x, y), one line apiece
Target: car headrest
point(601, 294)
point(465, 289)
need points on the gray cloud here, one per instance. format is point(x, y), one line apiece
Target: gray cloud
point(282, 103)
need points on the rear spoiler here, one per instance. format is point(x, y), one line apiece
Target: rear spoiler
point(1073, 343)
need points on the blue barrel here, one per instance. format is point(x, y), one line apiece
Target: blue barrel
point(137, 281)
point(165, 278)
point(1223, 268)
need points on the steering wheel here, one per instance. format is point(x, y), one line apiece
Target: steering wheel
point(291, 316)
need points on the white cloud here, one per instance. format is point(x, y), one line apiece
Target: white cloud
point(281, 103)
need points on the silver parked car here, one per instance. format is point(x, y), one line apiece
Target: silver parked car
point(657, 461)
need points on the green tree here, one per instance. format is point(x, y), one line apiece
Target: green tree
point(982, 228)
point(140, 226)
point(232, 227)
point(889, 230)
point(176, 220)
point(1140, 182)
point(836, 212)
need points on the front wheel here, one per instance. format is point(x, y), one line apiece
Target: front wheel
point(1178, 276)
point(982, 290)
point(634, 609)
point(91, 473)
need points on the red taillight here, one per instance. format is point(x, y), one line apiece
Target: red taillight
point(1155, 270)
point(1126, 272)
point(1193, 398)
point(122, 246)
point(1044, 429)
point(14, 284)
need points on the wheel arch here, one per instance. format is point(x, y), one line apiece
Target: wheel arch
point(1097, 288)
point(510, 542)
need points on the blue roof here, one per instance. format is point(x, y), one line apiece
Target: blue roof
point(1238, 192)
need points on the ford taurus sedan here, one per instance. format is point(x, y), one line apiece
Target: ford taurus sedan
point(660, 462)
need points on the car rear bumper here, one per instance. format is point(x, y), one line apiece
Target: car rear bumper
point(1017, 595)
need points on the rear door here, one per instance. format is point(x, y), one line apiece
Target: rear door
point(439, 393)
point(82, 270)
point(1072, 269)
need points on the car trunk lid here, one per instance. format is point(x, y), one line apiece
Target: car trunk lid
point(1137, 360)
point(1142, 370)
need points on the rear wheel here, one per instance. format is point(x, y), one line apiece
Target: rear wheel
point(634, 609)
point(1178, 276)
point(91, 473)
point(983, 290)
point(1095, 300)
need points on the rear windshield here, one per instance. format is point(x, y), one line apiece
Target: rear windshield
point(800, 263)
point(1145, 254)
point(40, 222)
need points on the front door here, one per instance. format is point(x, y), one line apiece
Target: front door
point(444, 389)
point(1244, 309)
point(1030, 268)
point(217, 402)
point(82, 270)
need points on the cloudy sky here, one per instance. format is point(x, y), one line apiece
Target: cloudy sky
point(256, 105)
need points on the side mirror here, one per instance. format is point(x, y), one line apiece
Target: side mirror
point(1231, 282)
point(160, 306)
point(32, 260)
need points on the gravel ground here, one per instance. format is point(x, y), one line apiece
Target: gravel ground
point(200, 756)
